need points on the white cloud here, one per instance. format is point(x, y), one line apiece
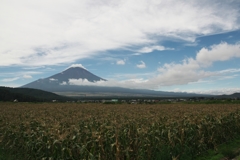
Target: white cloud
point(27, 76)
point(34, 68)
point(19, 73)
point(141, 65)
point(177, 74)
point(52, 79)
point(121, 62)
point(64, 83)
point(37, 33)
point(10, 79)
point(231, 70)
point(150, 49)
point(130, 83)
point(192, 70)
point(219, 91)
point(219, 52)
point(144, 84)
point(188, 71)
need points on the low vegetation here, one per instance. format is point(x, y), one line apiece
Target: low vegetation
point(29, 95)
point(225, 151)
point(115, 131)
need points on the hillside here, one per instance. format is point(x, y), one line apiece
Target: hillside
point(28, 95)
point(231, 96)
point(59, 83)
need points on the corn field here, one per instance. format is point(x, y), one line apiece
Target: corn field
point(115, 131)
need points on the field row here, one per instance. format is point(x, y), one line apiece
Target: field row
point(100, 131)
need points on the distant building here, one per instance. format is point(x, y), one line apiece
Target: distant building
point(114, 100)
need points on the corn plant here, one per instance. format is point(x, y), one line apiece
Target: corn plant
point(119, 131)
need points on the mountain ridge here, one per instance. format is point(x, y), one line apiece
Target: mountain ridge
point(59, 83)
point(76, 73)
point(28, 95)
point(234, 95)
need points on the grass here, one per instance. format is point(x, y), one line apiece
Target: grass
point(227, 150)
point(4, 155)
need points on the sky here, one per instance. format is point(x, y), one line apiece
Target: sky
point(175, 45)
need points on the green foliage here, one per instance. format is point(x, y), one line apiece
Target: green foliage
point(28, 95)
point(226, 150)
point(6, 155)
point(7, 95)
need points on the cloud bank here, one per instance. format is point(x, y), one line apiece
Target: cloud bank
point(37, 33)
point(189, 71)
point(219, 91)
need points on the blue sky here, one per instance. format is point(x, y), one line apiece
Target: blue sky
point(175, 45)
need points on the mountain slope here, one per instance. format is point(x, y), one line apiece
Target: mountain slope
point(58, 83)
point(234, 95)
point(28, 95)
point(75, 73)
point(56, 80)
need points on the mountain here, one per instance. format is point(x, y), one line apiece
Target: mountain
point(75, 73)
point(28, 95)
point(58, 83)
point(231, 96)
point(63, 77)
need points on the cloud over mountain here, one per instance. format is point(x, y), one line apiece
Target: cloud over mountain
point(190, 70)
point(123, 41)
